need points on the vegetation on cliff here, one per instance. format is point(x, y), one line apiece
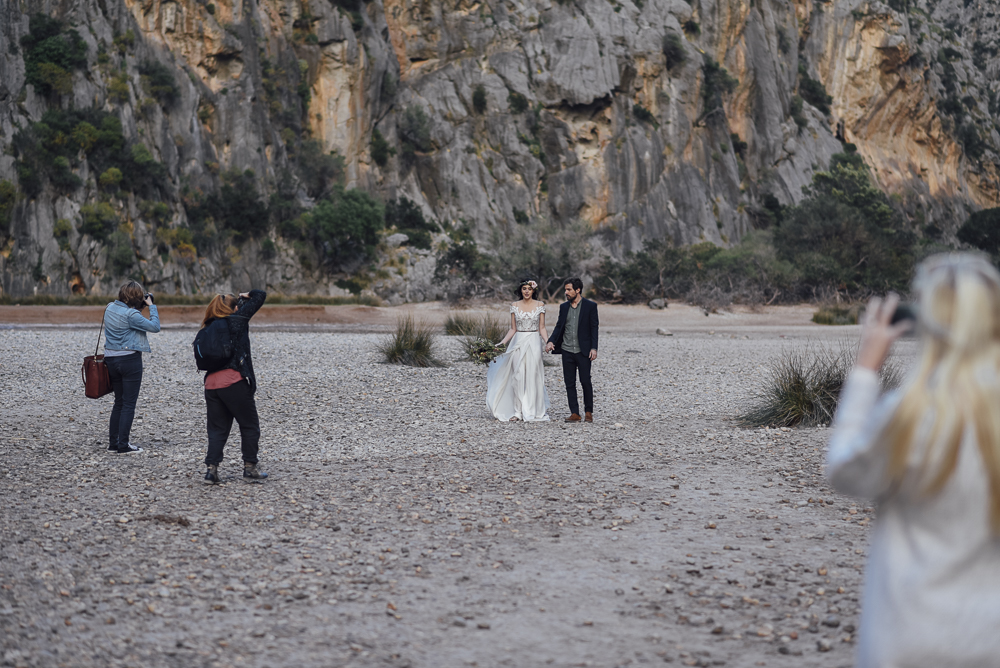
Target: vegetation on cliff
point(844, 238)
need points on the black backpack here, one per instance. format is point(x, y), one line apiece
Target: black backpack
point(213, 346)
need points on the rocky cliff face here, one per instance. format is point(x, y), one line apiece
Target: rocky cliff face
point(639, 120)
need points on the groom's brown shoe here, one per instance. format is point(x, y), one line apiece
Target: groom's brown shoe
point(574, 418)
point(589, 417)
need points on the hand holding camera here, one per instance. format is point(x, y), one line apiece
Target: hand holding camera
point(148, 298)
point(880, 329)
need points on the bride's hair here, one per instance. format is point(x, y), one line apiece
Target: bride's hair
point(955, 388)
point(534, 288)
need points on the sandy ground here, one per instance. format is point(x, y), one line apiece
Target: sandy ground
point(402, 526)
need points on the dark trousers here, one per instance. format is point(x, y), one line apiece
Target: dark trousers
point(126, 377)
point(235, 401)
point(571, 362)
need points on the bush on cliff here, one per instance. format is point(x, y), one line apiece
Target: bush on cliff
point(844, 237)
point(51, 53)
point(50, 149)
point(236, 208)
point(407, 218)
point(982, 230)
point(345, 227)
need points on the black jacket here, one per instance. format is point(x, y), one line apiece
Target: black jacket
point(587, 331)
point(239, 330)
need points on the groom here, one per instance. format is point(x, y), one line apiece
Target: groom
point(575, 336)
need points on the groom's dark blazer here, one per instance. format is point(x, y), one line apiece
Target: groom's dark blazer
point(586, 333)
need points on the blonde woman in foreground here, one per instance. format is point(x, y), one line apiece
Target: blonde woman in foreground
point(929, 453)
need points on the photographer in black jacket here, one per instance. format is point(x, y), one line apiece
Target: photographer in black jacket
point(229, 392)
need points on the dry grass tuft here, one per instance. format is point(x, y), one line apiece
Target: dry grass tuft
point(411, 344)
point(802, 388)
point(837, 315)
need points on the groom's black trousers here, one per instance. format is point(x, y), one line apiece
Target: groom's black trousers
point(570, 363)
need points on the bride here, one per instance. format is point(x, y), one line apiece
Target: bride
point(515, 381)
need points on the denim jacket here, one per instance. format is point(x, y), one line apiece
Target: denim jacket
point(125, 328)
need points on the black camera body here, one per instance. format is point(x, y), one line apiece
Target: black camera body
point(904, 312)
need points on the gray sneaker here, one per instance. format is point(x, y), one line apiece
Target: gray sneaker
point(251, 473)
point(130, 450)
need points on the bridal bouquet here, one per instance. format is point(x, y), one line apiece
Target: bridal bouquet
point(482, 351)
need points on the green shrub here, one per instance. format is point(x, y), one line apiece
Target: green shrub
point(318, 171)
point(414, 131)
point(118, 89)
point(739, 146)
point(691, 28)
point(545, 254)
point(51, 54)
point(845, 235)
point(843, 238)
point(110, 179)
point(784, 44)
point(717, 82)
point(802, 388)
point(982, 230)
point(125, 41)
point(644, 115)
point(381, 151)
point(970, 139)
point(8, 198)
point(158, 80)
point(411, 344)
point(346, 226)
point(479, 99)
point(389, 85)
point(463, 260)
point(517, 103)
point(121, 255)
point(98, 220)
point(407, 218)
point(237, 207)
point(50, 148)
point(797, 115)
point(61, 231)
point(674, 52)
point(813, 92)
point(157, 212)
point(267, 249)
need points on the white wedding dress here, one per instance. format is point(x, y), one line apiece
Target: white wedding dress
point(515, 381)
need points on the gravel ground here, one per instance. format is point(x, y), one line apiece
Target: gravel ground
point(402, 526)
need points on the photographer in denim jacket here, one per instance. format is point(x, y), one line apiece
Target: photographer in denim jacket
point(125, 340)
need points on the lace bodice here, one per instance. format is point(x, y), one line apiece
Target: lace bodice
point(527, 321)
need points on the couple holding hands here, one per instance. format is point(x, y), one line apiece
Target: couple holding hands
point(515, 381)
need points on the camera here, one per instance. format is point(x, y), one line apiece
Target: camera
point(904, 312)
point(149, 296)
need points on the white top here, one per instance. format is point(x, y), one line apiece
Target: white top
point(932, 586)
point(527, 321)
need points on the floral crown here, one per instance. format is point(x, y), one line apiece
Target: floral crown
point(533, 285)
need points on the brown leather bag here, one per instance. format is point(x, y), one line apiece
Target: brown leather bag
point(96, 381)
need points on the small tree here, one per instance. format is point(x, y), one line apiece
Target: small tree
point(673, 50)
point(479, 99)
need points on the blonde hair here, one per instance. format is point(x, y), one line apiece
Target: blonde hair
point(956, 383)
point(220, 307)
